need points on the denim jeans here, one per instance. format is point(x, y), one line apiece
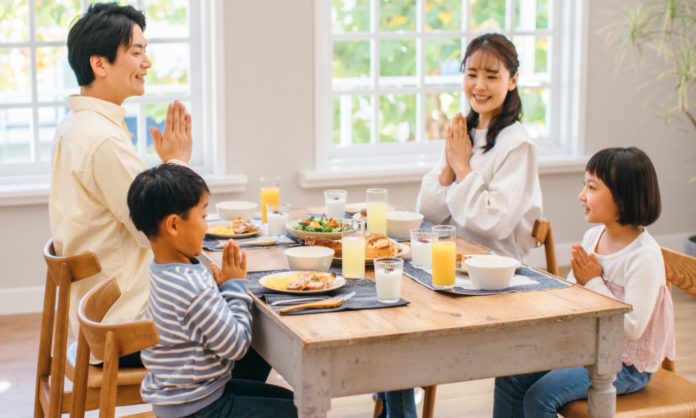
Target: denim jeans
point(398, 404)
point(541, 394)
point(250, 399)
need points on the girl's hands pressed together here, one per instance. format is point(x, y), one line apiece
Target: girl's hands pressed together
point(233, 264)
point(585, 267)
point(458, 147)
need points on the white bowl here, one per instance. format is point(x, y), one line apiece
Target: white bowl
point(234, 209)
point(400, 223)
point(311, 258)
point(491, 272)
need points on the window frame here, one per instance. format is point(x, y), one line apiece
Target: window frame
point(206, 97)
point(568, 29)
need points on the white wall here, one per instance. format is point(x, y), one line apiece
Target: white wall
point(270, 129)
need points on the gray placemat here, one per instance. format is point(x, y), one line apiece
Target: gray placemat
point(365, 294)
point(543, 282)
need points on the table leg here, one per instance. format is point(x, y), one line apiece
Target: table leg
point(601, 396)
point(313, 394)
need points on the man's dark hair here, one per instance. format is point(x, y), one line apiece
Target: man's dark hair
point(162, 191)
point(100, 31)
point(630, 176)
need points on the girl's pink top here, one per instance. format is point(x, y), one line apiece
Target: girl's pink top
point(657, 341)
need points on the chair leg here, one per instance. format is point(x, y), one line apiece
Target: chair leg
point(379, 406)
point(429, 401)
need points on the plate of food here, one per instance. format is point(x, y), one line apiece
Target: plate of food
point(302, 282)
point(376, 246)
point(315, 226)
point(236, 228)
point(461, 265)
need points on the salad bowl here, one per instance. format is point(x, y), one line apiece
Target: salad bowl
point(318, 227)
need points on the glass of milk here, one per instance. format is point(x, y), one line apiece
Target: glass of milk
point(335, 202)
point(388, 273)
point(277, 216)
point(422, 247)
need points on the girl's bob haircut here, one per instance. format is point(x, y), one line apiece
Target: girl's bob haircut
point(631, 178)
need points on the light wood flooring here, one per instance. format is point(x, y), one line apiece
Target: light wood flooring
point(19, 345)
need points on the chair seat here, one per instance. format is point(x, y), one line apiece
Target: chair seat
point(125, 376)
point(666, 394)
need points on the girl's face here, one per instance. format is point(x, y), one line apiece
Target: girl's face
point(486, 84)
point(597, 201)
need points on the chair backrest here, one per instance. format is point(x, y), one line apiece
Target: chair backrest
point(50, 370)
point(542, 233)
point(680, 270)
point(110, 341)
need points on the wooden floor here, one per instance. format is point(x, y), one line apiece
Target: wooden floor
point(19, 345)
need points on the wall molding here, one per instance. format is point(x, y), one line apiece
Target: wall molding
point(21, 300)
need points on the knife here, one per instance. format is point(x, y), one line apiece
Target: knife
point(326, 303)
point(297, 300)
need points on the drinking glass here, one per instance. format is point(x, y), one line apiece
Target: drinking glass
point(388, 273)
point(377, 211)
point(277, 216)
point(422, 247)
point(353, 249)
point(444, 256)
point(335, 203)
point(270, 194)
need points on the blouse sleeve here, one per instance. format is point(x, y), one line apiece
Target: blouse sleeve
point(496, 208)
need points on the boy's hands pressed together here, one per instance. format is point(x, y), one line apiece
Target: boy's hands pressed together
point(585, 267)
point(233, 264)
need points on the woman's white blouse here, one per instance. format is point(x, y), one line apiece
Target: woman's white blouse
point(497, 202)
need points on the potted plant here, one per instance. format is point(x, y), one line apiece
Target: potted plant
point(668, 29)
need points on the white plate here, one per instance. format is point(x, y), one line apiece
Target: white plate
point(404, 251)
point(338, 283)
point(225, 236)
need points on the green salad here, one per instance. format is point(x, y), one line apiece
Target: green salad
point(323, 224)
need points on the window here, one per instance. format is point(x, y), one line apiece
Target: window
point(36, 79)
point(388, 80)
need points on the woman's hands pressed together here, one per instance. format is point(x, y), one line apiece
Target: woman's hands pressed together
point(234, 264)
point(457, 152)
point(585, 267)
point(176, 142)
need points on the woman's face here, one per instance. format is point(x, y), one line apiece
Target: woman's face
point(486, 84)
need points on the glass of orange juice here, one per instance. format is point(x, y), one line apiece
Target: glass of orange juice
point(270, 194)
point(444, 256)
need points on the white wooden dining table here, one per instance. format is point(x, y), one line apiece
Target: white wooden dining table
point(439, 338)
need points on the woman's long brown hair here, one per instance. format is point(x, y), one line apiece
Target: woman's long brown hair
point(500, 47)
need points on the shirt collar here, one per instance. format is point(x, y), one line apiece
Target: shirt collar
point(111, 111)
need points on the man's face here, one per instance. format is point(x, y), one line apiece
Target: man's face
point(126, 75)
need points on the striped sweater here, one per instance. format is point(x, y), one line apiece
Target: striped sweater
point(202, 331)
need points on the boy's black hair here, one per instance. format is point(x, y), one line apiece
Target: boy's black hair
point(100, 31)
point(161, 191)
point(630, 176)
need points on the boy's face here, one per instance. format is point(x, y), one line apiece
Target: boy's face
point(193, 228)
point(126, 75)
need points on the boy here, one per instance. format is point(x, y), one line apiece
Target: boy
point(94, 160)
point(203, 319)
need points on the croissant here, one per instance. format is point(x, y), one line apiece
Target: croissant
point(377, 246)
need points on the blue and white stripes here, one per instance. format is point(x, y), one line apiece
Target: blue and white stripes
point(202, 331)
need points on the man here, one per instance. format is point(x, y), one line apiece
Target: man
point(94, 161)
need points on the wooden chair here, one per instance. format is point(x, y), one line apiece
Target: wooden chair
point(542, 233)
point(667, 394)
point(107, 342)
point(50, 397)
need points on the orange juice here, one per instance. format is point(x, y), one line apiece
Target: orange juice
point(444, 260)
point(271, 196)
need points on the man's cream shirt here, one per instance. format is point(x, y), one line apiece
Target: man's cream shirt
point(94, 163)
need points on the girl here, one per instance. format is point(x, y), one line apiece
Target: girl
point(619, 259)
point(487, 183)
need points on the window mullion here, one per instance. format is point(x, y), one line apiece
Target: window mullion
point(420, 70)
point(374, 68)
point(34, 150)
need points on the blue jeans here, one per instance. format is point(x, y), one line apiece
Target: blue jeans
point(398, 404)
point(542, 394)
point(250, 399)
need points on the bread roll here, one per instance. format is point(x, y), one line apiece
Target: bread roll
point(377, 246)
